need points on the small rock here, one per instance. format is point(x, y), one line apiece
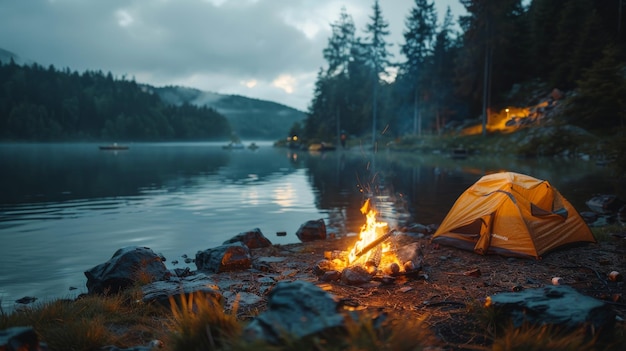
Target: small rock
point(557, 281)
point(356, 275)
point(224, 258)
point(26, 300)
point(394, 268)
point(312, 230)
point(253, 239)
point(162, 291)
point(323, 266)
point(330, 276)
point(615, 276)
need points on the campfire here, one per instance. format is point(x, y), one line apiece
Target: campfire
point(372, 256)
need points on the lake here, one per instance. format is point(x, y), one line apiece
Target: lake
point(65, 208)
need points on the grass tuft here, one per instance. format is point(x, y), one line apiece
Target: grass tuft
point(504, 336)
point(536, 338)
point(199, 323)
point(90, 322)
point(606, 233)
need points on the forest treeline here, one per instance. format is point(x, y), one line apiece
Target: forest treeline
point(499, 53)
point(46, 104)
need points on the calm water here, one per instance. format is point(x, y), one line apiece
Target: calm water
point(65, 208)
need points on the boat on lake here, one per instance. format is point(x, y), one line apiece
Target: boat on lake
point(233, 146)
point(113, 146)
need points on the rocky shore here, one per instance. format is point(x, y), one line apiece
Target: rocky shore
point(289, 282)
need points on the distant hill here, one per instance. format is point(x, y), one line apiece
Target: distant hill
point(45, 104)
point(5, 57)
point(249, 118)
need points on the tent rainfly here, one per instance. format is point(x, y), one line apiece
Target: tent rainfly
point(512, 214)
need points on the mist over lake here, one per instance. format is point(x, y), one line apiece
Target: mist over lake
point(65, 208)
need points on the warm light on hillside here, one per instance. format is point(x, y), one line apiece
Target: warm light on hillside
point(506, 120)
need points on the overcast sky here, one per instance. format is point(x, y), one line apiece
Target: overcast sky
point(265, 49)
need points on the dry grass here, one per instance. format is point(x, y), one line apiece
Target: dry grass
point(425, 314)
point(534, 338)
point(91, 322)
point(608, 232)
point(199, 323)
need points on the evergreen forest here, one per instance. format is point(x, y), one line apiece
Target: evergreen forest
point(500, 53)
point(39, 104)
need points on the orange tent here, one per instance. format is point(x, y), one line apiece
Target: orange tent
point(512, 214)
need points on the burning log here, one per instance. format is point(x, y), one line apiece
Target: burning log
point(360, 252)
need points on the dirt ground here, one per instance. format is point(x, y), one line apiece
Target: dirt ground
point(444, 289)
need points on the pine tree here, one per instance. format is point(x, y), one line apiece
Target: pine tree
point(486, 29)
point(419, 39)
point(444, 51)
point(600, 103)
point(378, 57)
point(338, 54)
point(339, 49)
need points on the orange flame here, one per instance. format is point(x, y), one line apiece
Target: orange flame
point(370, 231)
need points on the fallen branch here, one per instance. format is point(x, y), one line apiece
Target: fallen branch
point(442, 303)
point(372, 245)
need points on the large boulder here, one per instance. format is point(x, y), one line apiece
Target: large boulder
point(224, 258)
point(560, 306)
point(128, 266)
point(312, 230)
point(295, 310)
point(253, 239)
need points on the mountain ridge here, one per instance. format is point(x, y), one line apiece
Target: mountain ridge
point(6, 56)
point(249, 118)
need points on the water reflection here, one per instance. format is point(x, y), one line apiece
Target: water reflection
point(421, 188)
point(67, 207)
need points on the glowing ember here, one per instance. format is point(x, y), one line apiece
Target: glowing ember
point(370, 232)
